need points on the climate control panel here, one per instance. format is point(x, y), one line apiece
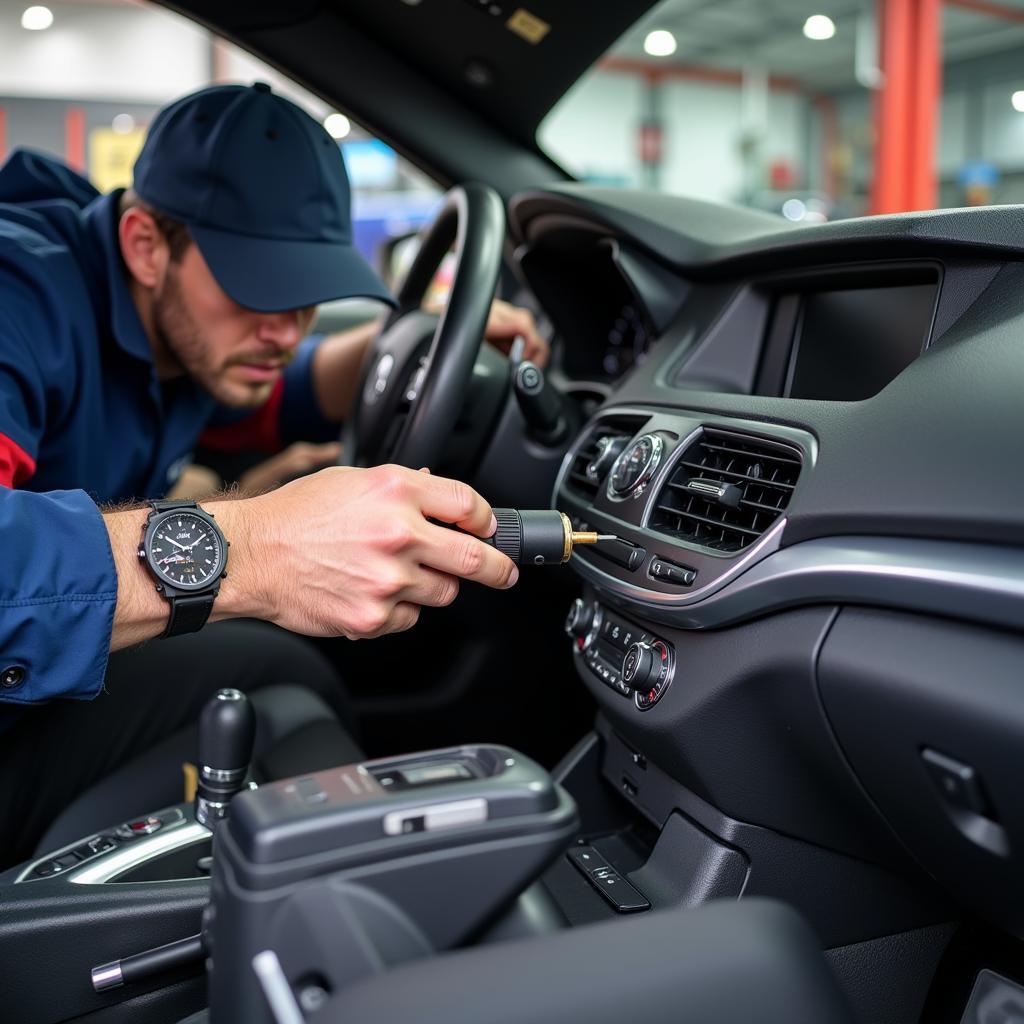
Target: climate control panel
point(631, 661)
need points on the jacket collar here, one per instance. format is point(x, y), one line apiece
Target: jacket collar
point(102, 217)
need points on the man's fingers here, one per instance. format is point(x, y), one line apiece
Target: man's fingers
point(403, 616)
point(458, 554)
point(507, 322)
point(452, 501)
point(431, 588)
point(536, 349)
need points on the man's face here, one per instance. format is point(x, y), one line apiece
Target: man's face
point(234, 353)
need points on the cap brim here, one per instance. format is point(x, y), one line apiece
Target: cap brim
point(271, 275)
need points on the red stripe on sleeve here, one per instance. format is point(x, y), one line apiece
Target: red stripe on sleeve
point(260, 431)
point(16, 465)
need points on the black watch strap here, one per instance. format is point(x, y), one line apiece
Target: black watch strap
point(164, 504)
point(188, 613)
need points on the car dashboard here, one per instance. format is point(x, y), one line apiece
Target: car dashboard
point(810, 624)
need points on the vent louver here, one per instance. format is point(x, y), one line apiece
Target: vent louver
point(608, 438)
point(726, 490)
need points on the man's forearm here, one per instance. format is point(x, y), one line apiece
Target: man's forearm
point(142, 613)
point(336, 367)
point(343, 552)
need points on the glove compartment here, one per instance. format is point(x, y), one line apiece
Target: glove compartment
point(930, 714)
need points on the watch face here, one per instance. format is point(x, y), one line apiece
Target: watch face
point(186, 550)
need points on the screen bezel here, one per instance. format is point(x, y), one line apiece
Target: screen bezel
point(788, 292)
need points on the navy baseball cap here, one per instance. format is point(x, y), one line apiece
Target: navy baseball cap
point(263, 190)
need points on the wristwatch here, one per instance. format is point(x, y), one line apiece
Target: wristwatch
point(187, 554)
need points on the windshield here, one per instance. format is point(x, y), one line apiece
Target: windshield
point(815, 110)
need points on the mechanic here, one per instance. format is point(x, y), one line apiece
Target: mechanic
point(129, 324)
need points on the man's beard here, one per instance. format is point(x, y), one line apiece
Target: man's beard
point(183, 340)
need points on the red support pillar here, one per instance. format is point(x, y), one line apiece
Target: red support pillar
point(927, 106)
point(74, 138)
point(907, 105)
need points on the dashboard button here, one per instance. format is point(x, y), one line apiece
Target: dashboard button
point(621, 552)
point(670, 572)
point(587, 859)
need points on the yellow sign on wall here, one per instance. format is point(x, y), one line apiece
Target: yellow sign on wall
point(112, 156)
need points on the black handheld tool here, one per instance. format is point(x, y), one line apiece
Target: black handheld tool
point(538, 536)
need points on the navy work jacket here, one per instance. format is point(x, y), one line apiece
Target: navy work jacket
point(84, 420)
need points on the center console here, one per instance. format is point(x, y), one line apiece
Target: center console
point(393, 890)
point(337, 875)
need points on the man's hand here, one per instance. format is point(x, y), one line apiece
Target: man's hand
point(351, 552)
point(507, 322)
point(344, 552)
point(339, 356)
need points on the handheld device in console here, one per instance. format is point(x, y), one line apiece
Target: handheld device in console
point(321, 880)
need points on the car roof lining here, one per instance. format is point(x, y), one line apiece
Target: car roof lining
point(434, 40)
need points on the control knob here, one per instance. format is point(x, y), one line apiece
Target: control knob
point(580, 621)
point(641, 666)
point(647, 671)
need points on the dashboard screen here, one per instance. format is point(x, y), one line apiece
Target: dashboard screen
point(849, 344)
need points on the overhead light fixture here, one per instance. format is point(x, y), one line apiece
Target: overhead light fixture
point(819, 26)
point(337, 125)
point(1017, 99)
point(123, 123)
point(794, 209)
point(660, 43)
point(35, 19)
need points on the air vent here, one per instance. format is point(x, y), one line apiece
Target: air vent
point(594, 458)
point(726, 490)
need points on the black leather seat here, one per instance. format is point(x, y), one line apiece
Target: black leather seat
point(296, 733)
point(723, 963)
point(120, 756)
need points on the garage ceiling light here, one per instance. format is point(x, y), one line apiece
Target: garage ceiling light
point(794, 209)
point(660, 43)
point(819, 26)
point(36, 18)
point(1017, 99)
point(337, 125)
point(123, 123)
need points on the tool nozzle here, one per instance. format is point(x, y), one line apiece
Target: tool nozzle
point(539, 536)
point(585, 537)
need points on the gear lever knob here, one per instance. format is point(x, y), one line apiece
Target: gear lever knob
point(227, 727)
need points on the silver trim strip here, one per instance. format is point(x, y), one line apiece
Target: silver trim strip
point(981, 582)
point(26, 873)
point(276, 989)
point(223, 774)
point(586, 568)
point(107, 976)
point(138, 853)
point(438, 816)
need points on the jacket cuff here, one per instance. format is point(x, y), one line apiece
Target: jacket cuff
point(58, 593)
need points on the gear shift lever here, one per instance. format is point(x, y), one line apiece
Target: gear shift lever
point(227, 727)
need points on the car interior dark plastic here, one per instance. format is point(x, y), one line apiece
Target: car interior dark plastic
point(799, 797)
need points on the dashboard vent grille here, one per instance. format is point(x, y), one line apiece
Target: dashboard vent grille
point(726, 490)
point(609, 437)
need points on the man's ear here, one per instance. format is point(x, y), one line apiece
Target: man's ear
point(143, 247)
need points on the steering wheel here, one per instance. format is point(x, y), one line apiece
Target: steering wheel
point(416, 374)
